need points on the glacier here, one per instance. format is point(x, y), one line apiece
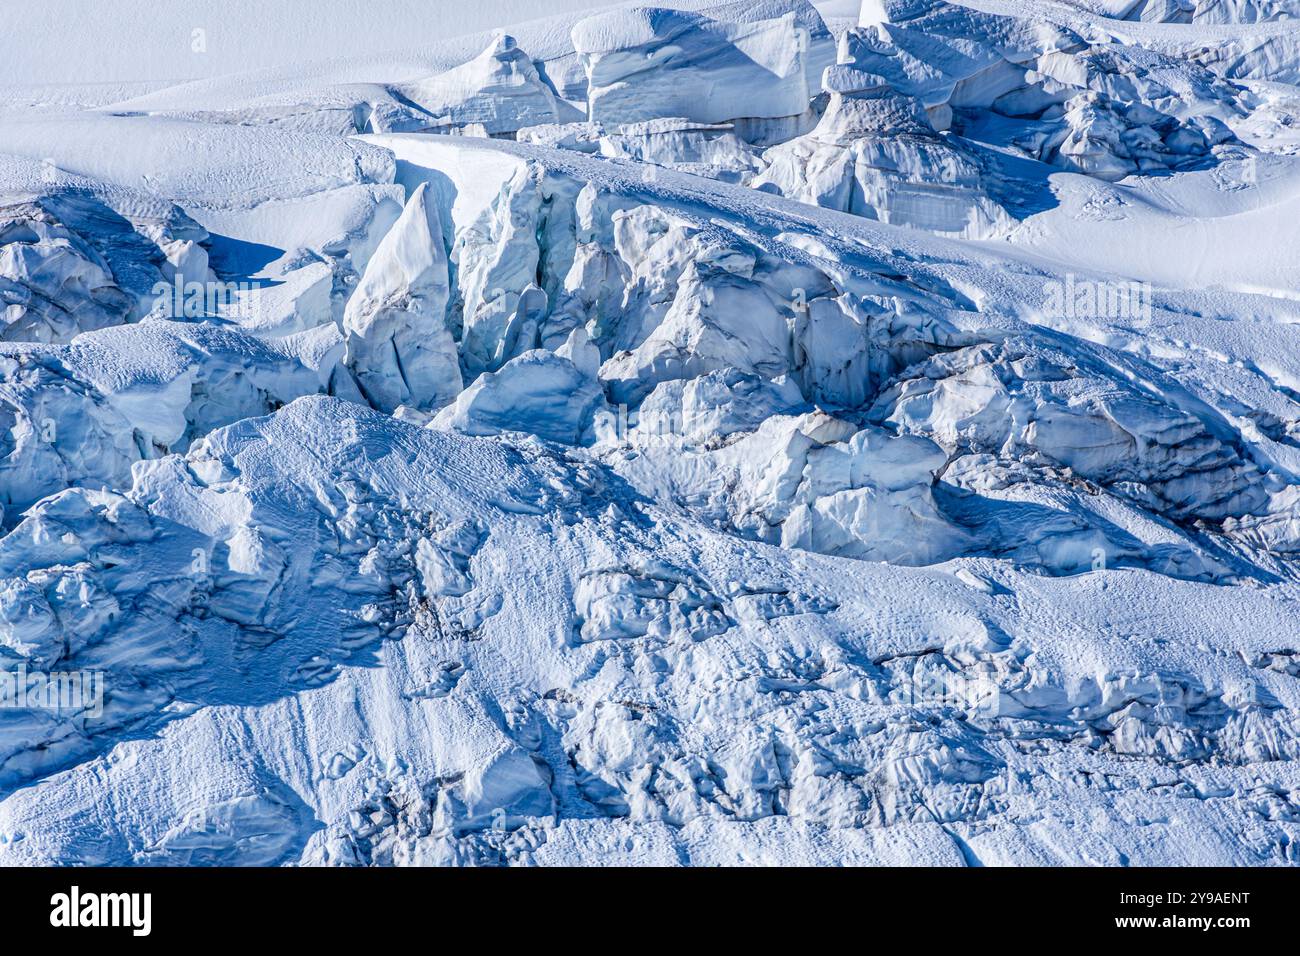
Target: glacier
point(691, 433)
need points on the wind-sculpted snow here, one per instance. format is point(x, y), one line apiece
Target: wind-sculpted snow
point(645, 63)
point(664, 436)
point(1206, 11)
point(499, 92)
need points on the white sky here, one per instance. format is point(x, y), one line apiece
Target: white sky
point(116, 41)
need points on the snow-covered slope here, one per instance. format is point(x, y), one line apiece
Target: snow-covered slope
point(731, 433)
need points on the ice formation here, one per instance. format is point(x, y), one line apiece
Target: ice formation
point(715, 434)
point(644, 63)
point(498, 92)
point(398, 342)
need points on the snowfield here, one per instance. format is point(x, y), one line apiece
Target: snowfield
point(710, 433)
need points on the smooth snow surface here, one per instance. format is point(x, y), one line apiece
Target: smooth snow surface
point(704, 433)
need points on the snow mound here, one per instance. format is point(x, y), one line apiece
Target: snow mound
point(554, 395)
point(500, 91)
point(83, 413)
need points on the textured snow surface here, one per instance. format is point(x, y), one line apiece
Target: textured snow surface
point(720, 433)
